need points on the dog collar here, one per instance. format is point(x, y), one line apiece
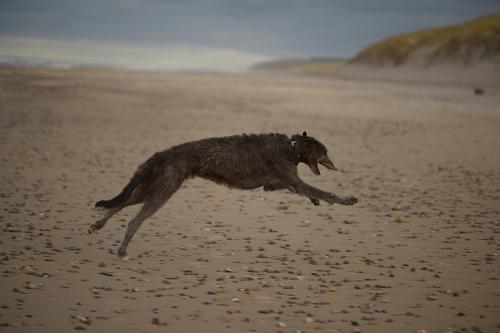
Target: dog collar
point(295, 147)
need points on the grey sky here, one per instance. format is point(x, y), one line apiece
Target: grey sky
point(276, 28)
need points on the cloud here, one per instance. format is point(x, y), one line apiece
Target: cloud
point(85, 52)
point(281, 28)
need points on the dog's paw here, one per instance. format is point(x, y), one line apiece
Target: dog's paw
point(92, 229)
point(95, 227)
point(122, 254)
point(350, 200)
point(315, 201)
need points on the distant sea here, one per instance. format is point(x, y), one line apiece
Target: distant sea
point(24, 51)
point(63, 64)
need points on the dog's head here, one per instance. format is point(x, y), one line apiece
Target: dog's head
point(312, 152)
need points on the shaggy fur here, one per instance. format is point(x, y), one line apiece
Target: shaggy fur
point(240, 161)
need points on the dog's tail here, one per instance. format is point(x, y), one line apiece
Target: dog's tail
point(124, 194)
point(143, 178)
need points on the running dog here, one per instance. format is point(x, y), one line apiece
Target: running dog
point(240, 161)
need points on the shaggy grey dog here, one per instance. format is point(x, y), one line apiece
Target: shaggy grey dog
point(240, 161)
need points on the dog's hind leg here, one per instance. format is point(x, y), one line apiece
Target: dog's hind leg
point(102, 222)
point(134, 199)
point(154, 202)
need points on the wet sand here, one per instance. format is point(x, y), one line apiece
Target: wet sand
point(419, 253)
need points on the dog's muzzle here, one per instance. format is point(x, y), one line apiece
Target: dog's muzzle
point(327, 163)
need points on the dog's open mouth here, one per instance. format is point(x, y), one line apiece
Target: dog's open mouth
point(327, 163)
point(314, 168)
point(324, 161)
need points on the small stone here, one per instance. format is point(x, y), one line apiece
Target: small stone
point(83, 320)
point(31, 285)
point(155, 321)
point(309, 320)
point(478, 91)
point(28, 269)
point(281, 324)
point(105, 273)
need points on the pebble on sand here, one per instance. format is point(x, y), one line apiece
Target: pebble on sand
point(83, 320)
point(31, 285)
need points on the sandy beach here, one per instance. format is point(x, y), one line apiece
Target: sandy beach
point(418, 253)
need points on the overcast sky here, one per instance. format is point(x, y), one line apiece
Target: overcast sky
point(252, 29)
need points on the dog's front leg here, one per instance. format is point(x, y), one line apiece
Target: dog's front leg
point(281, 186)
point(301, 188)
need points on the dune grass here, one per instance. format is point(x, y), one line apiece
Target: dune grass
point(464, 43)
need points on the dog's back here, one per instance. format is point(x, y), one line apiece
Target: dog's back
point(242, 161)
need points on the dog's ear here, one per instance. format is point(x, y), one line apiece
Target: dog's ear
point(304, 134)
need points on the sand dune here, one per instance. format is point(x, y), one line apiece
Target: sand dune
point(419, 253)
point(463, 53)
